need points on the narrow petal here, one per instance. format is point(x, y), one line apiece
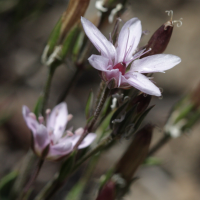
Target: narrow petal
point(58, 120)
point(41, 139)
point(155, 63)
point(59, 150)
point(30, 119)
point(143, 84)
point(99, 62)
point(86, 142)
point(101, 43)
point(128, 40)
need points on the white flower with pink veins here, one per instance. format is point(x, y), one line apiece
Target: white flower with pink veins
point(113, 62)
point(52, 141)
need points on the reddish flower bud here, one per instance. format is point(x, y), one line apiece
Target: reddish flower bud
point(160, 39)
point(135, 154)
point(107, 192)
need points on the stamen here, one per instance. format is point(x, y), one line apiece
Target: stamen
point(114, 12)
point(170, 13)
point(134, 58)
point(79, 131)
point(48, 111)
point(41, 119)
point(32, 115)
point(99, 6)
point(69, 133)
point(69, 117)
point(178, 22)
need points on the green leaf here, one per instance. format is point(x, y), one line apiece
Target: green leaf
point(6, 184)
point(55, 35)
point(69, 41)
point(89, 104)
point(184, 112)
point(38, 106)
point(66, 167)
point(76, 192)
point(141, 118)
point(151, 161)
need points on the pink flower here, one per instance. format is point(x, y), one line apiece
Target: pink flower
point(113, 62)
point(52, 139)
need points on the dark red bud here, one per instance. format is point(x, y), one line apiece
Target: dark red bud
point(121, 66)
point(135, 154)
point(159, 40)
point(195, 96)
point(143, 102)
point(107, 192)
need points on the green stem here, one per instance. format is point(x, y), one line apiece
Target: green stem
point(25, 168)
point(52, 187)
point(89, 127)
point(166, 138)
point(24, 196)
point(69, 86)
point(46, 90)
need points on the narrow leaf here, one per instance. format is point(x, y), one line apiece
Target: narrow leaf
point(89, 104)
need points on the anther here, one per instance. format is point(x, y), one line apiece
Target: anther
point(48, 111)
point(79, 131)
point(69, 133)
point(41, 119)
point(32, 115)
point(69, 117)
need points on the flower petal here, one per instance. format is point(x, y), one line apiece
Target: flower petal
point(98, 39)
point(128, 40)
point(59, 150)
point(143, 84)
point(30, 119)
point(86, 142)
point(99, 62)
point(41, 139)
point(58, 120)
point(155, 63)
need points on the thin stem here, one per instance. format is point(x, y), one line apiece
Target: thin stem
point(32, 179)
point(100, 90)
point(57, 183)
point(89, 127)
point(70, 85)
point(166, 138)
point(25, 168)
point(47, 89)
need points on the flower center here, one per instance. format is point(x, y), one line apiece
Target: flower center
point(121, 66)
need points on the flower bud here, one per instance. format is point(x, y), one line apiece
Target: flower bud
point(160, 39)
point(135, 154)
point(65, 34)
point(107, 192)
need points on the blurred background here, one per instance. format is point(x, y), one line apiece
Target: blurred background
point(24, 30)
